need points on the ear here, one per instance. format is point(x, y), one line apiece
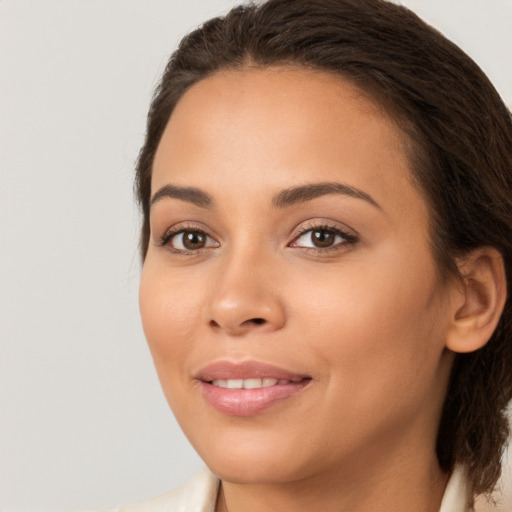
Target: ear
point(480, 299)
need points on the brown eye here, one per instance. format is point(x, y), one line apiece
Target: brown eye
point(322, 238)
point(190, 240)
point(193, 240)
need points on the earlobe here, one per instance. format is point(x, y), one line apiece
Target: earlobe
point(481, 298)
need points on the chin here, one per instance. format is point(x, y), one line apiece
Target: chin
point(255, 473)
point(253, 461)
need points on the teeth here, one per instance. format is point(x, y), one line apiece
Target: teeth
point(247, 383)
point(252, 383)
point(235, 384)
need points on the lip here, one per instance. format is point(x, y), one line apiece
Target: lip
point(248, 402)
point(246, 370)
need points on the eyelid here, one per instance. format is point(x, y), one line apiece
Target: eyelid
point(165, 239)
point(348, 234)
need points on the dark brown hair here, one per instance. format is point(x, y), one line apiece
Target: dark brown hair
point(461, 138)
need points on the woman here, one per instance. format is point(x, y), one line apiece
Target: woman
point(326, 188)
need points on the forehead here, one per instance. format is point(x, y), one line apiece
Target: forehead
point(284, 126)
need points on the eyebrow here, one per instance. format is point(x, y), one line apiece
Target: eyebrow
point(302, 194)
point(190, 194)
point(285, 198)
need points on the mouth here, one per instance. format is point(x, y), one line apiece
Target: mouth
point(248, 388)
point(257, 383)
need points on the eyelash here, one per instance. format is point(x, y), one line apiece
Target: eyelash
point(349, 239)
point(171, 233)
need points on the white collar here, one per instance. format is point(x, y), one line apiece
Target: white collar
point(455, 498)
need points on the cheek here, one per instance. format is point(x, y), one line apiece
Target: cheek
point(170, 312)
point(377, 328)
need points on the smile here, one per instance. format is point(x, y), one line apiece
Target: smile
point(248, 383)
point(248, 388)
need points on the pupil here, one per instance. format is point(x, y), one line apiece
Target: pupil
point(194, 240)
point(322, 238)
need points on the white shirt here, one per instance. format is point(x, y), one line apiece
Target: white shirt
point(199, 494)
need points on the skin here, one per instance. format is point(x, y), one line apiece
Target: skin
point(368, 321)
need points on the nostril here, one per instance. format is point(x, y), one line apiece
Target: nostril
point(256, 321)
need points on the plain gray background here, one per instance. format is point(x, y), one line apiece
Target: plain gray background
point(84, 424)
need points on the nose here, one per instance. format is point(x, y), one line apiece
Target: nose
point(245, 297)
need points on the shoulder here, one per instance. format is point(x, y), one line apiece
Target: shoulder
point(199, 494)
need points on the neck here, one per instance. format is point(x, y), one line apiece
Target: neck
point(400, 485)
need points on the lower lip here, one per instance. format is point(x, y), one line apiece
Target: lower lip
point(248, 402)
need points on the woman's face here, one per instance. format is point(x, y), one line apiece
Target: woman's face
point(289, 257)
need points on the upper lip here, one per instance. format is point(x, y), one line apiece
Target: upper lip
point(246, 370)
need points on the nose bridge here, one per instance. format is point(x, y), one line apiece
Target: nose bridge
point(245, 294)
